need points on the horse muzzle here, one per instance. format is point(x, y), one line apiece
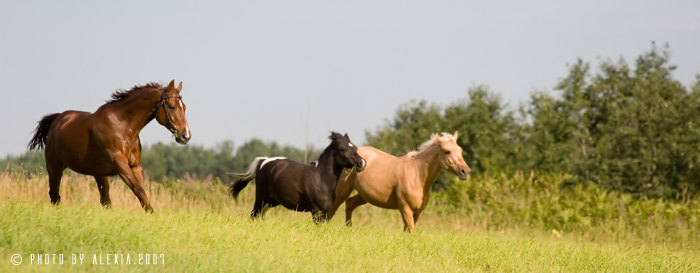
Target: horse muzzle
point(361, 167)
point(463, 174)
point(183, 138)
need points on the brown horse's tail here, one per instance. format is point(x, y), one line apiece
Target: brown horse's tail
point(41, 131)
point(241, 180)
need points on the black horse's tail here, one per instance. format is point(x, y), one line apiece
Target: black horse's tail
point(42, 130)
point(241, 180)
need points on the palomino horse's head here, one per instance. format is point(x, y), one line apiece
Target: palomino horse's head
point(346, 152)
point(451, 156)
point(171, 113)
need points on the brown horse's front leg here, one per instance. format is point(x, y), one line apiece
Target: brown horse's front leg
point(138, 173)
point(133, 177)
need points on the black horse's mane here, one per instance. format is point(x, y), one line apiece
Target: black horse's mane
point(332, 137)
point(326, 154)
point(121, 94)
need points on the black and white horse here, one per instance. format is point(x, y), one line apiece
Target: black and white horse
point(297, 186)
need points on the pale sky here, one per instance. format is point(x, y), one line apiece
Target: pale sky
point(291, 71)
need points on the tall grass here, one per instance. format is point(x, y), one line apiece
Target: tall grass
point(547, 202)
point(76, 189)
point(500, 223)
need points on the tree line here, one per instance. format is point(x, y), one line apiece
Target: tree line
point(172, 161)
point(630, 128)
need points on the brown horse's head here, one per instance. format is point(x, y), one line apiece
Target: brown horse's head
point(451, 156)
point(171, 113)
point(346, 152)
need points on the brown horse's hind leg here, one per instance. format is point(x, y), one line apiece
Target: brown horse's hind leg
point(103, 187)
point(55, 171)
point(350, 205)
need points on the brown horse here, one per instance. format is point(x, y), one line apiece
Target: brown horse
point(401, 183)
point(106, 143)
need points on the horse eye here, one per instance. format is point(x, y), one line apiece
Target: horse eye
point(171, 107)
point(447, 152)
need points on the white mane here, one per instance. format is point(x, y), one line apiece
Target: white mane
point(430, 142)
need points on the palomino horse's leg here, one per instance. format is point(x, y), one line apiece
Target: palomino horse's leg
point(350, 205)
point(103, 187)
point(133, 178)
point(407, 215)
point(416, 216)
point(342, 190)
point(55, 170)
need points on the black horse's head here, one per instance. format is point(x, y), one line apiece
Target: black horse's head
point(346, 152)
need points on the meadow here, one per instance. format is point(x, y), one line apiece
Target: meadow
point(511, 223)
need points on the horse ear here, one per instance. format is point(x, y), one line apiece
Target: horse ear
point(179, 87)
point(334, 136)
point(455, 134)
point(171, 85)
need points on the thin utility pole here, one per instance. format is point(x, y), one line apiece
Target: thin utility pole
point(306, 133)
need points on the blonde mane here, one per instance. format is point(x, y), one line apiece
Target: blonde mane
point(430, 142)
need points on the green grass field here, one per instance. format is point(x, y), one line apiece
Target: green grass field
point(198, 228)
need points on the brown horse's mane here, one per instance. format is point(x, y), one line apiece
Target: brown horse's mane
point(121, 94)
point(430, 142)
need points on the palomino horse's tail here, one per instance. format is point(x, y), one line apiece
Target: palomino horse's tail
point(42, 130)
point(241, 180)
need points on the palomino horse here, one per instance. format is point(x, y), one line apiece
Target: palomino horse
point(401, 183)
point(297, 186)
point(106, 142)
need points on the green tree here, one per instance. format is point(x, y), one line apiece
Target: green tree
point(487, 131)
point(32, 161)
point(413, 124)
point(630, 129)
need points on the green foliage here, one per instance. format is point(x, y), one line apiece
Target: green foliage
point(176, 161)
point(631, 129)
point(31, 162)
point(487, 132)
point(413, 125)
point(552, 202)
